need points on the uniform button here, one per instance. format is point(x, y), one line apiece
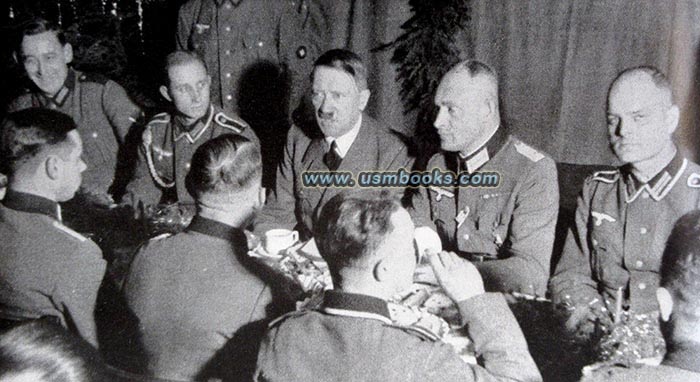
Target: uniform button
point(642, 286)
point(187, 165)
point(643, 230)
point(229, 97)
point(466, 236)
point(301, 52)
point(260, 44)
point(228, 29)
point(94, 134)
point(228, 52)
point(595, 242)
point(228, 6)
point(228, 75)
point(639, 263)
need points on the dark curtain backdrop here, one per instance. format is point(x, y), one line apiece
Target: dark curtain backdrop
point(556, 58)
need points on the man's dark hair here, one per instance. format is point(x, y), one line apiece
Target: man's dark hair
point(229, 162)
point(37, 26)
point(346, 61)
point(27, 132)
point(180, 57)
point(352, 226)
point(45, 349)
point(680, 267)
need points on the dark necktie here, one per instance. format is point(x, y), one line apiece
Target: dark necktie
point(332, 159)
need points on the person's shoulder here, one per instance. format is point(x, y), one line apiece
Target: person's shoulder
point(230, 121)
point(529, 153)
point(692, 175)
point(21, 101)
point(92, 77)
point(158, 122)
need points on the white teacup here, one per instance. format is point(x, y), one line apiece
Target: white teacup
point(277, 240)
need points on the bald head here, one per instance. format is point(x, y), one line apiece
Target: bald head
point(647, 79)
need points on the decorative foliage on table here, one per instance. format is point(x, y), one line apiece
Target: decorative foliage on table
point(168, 218)
point(636, 337)
point(424, 52)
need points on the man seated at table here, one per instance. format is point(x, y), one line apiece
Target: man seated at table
point(194, 291)
point(367, 243)
point(508, 230)
point(171, 138)
point(623, 217)
point(99, 106)
point(343, 138)
point(679, 302)
point(46, 269)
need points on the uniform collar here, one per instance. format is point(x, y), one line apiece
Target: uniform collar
point(59, 99)
point(214, 228)
point(660, 185)
point(20, 201)
point(195, 130)
point(346, 140)
point(480, 156)
point(683, 355)
point(233, 2)
point(355, 305)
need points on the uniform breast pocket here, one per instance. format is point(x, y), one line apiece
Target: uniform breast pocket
point(607, 257)
point(199, 39)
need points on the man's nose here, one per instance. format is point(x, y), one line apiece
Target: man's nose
point(195, 95)
point(440, 118)
point(625, 128)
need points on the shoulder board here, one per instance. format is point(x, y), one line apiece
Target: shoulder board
point(159, 118)
point(282, 318)
point(694, 180)
point(237, 125)
point(69, 232)
point(93, 77)
point(528, 151)
point(418, 331)
point(609, 176)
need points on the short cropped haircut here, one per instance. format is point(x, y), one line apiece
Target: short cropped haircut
point(37, 26)
point(180, 57)
point(352, 226)
point(346, 61)
point(656, 76)
point(680, 266)
point(227, 163)
point(27, 132)
point(48, 351)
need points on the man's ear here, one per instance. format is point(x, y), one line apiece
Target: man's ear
point(672, 118)
point(52, 166)
point(164, 92)
point(68, 53)
point(663, 296)
point(364, 98)
point(381, 271)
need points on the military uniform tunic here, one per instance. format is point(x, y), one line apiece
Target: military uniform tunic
point(509, 227)
point(104, 114)
point(192, 293)
point(620, 232)
point(352, 338)
point(167, 149)
point(47, 269)
point(273, 42)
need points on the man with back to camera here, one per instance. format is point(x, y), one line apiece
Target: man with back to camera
point(678, 297)
point(367, 242)
point(623, 217)
point(342, 139)
point(46, 268)
point(170, 139)
point(194, 292)
point(507, 231)
point(100, 107)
